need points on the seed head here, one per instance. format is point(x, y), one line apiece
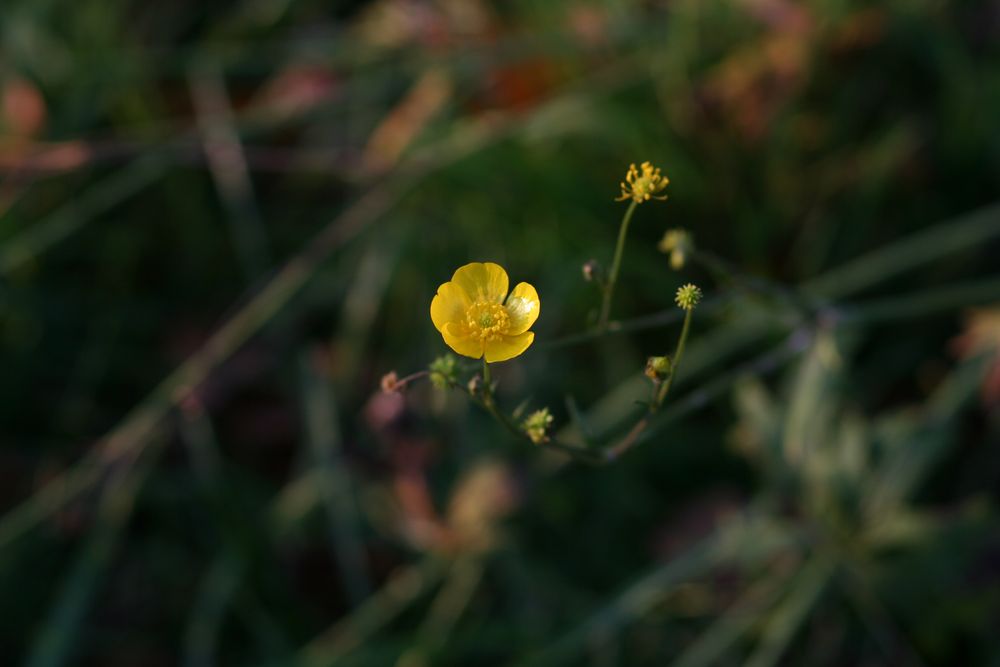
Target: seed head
point(688, 296)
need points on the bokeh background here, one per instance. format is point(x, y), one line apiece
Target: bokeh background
point(222, 223)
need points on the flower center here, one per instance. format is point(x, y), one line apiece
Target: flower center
point(486, 320)
point(643, 185)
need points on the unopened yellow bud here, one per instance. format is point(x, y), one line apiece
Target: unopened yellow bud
point(678, 244)
point(537, 425)
point(658, 368)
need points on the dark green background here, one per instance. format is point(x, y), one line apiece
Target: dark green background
point(834, 507)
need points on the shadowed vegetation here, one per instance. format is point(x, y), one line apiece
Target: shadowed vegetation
point(221, 224)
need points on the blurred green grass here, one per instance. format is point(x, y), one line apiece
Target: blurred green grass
point(221, 224)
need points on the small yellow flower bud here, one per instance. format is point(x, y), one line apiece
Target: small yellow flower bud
point(537, 425)
point(678, 244)
point(641, 186)
point(444, 371)
point(657, 368)
point(688, 296)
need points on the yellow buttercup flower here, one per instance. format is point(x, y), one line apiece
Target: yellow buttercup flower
point(476, 318)
point(640, 186)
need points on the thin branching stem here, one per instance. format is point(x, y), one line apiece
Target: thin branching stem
point(487, 401)
point(412, 377)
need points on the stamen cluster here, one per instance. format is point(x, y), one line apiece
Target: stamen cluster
point(643, 183)
point(487, 321)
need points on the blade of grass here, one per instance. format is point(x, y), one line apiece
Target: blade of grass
point(734, 623)
point(906, 465)
point(785, 621)
point(55, 642)
point(221, 582)
point(334, 487)
point(924, 303)
point(890, 640)
point(48, 499)
point(228, 165)
point(218, 587)
point(445, 610)
point(91, 203)
point(398, 593)
point(452, 599)
point(940, 240)
point(632, 603)
point(361, 307)
point(743, 539)
point(145, 419)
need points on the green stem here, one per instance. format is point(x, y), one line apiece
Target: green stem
point(487, 380)
point(675, 362)
point(490, 406)
point(609, 287)
point(488, 403)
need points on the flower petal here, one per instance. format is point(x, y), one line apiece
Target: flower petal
point(508, 347)
point(482, 281)
point(523, 307)
point(448, 305)
point(458, 339)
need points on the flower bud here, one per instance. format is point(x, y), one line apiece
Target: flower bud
point(537, 424)
point(678, 244)
point(475, 385)
point(593, 271)
point(658, 368)
point(444, 371)
point(390, 383)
